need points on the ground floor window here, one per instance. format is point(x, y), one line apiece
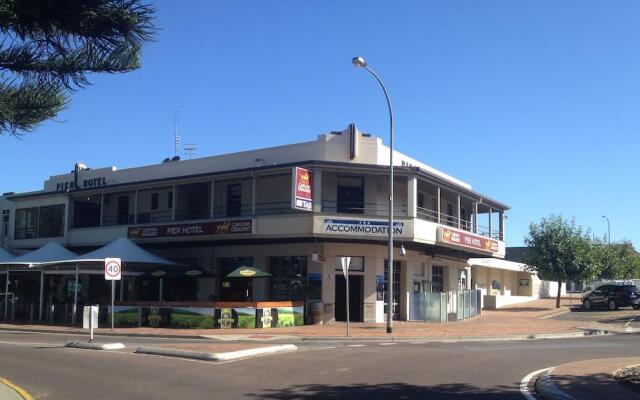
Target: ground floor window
point(437, 279)
point(288, 278)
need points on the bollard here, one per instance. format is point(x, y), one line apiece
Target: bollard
point(31, 312)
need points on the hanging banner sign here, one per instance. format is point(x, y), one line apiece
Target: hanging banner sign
point(302, 188)
point(465, 239)
point(198, 229)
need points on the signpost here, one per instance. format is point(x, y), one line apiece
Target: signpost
point(113, 273)
point(345, 270)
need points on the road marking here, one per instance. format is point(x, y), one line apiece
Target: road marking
point(631, 320)
point(23, 393)
point(387, 344)
point(356, 345)
point(524, 383)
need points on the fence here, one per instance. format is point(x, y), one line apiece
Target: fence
point(438, 307)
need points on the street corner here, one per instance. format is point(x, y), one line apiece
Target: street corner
point(11, 391)
point(617, 378)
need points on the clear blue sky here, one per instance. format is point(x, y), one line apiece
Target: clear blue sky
point(536, 104)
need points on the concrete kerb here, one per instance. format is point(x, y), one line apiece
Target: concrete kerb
point(94, 346)
point(232, 355)
point(548, 390)
point(11, 391)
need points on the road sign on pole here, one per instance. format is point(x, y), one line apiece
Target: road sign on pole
point(346, 261)
point(113, 273)
point(112, 269)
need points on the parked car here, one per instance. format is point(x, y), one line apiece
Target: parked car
point(612, 296)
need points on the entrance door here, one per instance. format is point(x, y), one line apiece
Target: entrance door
point(355, 298)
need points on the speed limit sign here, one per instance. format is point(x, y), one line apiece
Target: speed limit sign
point(112, 269)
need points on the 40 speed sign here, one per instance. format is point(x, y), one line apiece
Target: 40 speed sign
point(112, 269)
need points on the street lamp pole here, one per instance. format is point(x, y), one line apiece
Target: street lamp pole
point(608, 229)
point(361, 63)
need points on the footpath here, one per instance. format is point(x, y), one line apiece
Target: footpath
point(587, 380)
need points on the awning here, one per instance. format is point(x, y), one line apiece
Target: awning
point(122, 248)
point(498, 264)
point(5, 255)
point(50, 253)
point(248, 272)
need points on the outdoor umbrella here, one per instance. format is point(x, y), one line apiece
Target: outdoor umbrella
point(248, 272)
point(49, 253)
point(5, 255)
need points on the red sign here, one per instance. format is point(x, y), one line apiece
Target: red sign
point(197, 229)
point(302, 198)
point(466, 239)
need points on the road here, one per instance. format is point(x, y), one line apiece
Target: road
point(616, 319)
point(332, 370)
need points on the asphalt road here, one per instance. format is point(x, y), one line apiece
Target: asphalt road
point(623, 317)
point(489, 370)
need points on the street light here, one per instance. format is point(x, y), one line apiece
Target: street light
point(359, 62)
point(608, 229)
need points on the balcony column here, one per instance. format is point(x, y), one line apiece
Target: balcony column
point(490, 222)
point(101, 209)
point(475, 217)
point(212, 204)
point(317, 190)
point(412, 197)
point(135, 207)
point(253, 194)
point(501, 222)
point(438, 205)
point(174, 193)
point(458, 213)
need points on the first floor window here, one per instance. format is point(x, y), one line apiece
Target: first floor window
point(51, 221)
point(26, 223)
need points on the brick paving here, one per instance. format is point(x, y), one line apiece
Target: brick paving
point(519, 319)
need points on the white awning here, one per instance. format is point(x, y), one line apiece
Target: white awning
point(497, 264)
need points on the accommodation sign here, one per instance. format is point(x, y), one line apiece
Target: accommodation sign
point(361, 227)
point(197, 229)
point(468, 240)
point(302, 197)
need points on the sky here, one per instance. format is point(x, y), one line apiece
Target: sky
point(535, 104)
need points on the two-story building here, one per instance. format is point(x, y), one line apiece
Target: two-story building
point(243, 208)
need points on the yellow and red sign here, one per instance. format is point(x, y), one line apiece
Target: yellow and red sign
point(465, 239)
point(302, 198)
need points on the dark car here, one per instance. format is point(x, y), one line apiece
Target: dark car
point(612, 297)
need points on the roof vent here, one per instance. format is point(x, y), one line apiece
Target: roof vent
point(166, 160)
point(175, 158)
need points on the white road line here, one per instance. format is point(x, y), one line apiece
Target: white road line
point(631, 320)
point(356, 345)
point(387, 344)
point(524, 383)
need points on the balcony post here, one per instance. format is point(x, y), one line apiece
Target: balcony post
point(212, 204)
point(458, 215)
point(174, 193)
point(475, 217)
point(438, 205)
point(501, 222)
point(135, 207)
point(317, 190)
point(253, 194)
point(490, 222)
point(412, 197)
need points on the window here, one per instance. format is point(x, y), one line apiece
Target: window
point(39, 222)
point(26, 223)
point(155, 203)
point(450, 218)
point(288, 278)
point(193, 201)
point(170, 200)
point(86, 211)
point(421, 200)
point(234, 200)
point(51, 221)
point(437, 279)
point(350, 195)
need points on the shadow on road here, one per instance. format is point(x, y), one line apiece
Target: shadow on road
point(388, 391)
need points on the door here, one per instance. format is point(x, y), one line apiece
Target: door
point(597, 297)
point(355, 298)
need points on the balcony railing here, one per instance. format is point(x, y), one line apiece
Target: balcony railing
point(451, 220)
point(365, 208)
